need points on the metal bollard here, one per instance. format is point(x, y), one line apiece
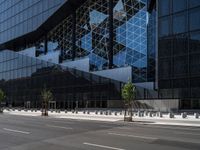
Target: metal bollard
point(101, 112)
point(109, 113)
point(159, 114)
point(170, 115)
point(96, 112)
point(105, 113)
point(146, 113)
point(150, 114)
point(140, 114)
point(196, 115)
point(184, 115)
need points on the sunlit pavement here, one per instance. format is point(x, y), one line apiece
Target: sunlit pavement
point(49, 133)
point(190, 120)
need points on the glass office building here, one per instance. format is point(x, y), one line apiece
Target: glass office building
point(158, 40)
point(23, 78)
point(111, 33)
point(179, 51)
point(26, 26)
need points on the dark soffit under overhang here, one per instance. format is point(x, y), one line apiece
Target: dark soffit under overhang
point(65, 10)
point(152, 5)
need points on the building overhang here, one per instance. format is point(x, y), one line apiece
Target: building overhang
point(65, 10)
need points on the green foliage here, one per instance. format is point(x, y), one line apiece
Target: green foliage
point(46, 95)
point(128, 93)
point(2, 95)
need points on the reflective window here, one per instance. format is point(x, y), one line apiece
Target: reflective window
point(164, 29)
point(194, 16)
point(194, 64)
point(194, 42)
point(60, 38)
point(92, 34)
point(179, 23)
point(180, 66)
point(180, 44)
point(194, 3)
point(130, 30)
point(165, 68)
point(179, 6)
point(163, 6)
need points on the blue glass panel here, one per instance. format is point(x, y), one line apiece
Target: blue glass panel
point(164, 7)
point(86, 42)
point(179, 6)
point(194, 16)
point(194, 3)
point(179, 23)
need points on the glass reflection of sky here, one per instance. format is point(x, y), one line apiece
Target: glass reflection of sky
point(96, 17)
point(52, 46)
point(133, 35)
point(130, 35)
point(86, 42)
point(96, 60)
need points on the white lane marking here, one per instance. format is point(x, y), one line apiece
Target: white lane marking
point(186, 133)
point(102, 146)
point(68, 128)
point(17, 131)
point(64, 122)
point(125, 128)
point(174, 127)
point(104, 126)
point(134, 136)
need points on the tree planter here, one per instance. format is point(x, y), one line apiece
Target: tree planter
point(45, 114)
point(128, 119)
point(2, 98)
point(128, 94)
point(46, 97)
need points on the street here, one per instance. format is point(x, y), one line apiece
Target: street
point(45, 133)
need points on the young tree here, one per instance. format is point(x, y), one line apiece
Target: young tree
point(46, 97)
point(2, 97)
point(128, 94)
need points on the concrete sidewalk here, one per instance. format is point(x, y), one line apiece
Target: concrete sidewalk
point(177, 120)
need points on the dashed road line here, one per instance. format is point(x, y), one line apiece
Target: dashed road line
point(16, 131)
point(102, 146)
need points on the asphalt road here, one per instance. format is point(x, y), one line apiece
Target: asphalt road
point(44, 133)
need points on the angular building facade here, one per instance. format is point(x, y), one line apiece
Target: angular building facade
point(85, 50)
point(63, 44)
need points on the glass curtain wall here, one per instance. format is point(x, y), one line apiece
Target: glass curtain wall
point(130, 36)
point(178, 55)
point(92, 36)
point(22, 78)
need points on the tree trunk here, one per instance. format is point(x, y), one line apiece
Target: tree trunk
point(44, 109)
point(129, 116)
point(1, 109)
